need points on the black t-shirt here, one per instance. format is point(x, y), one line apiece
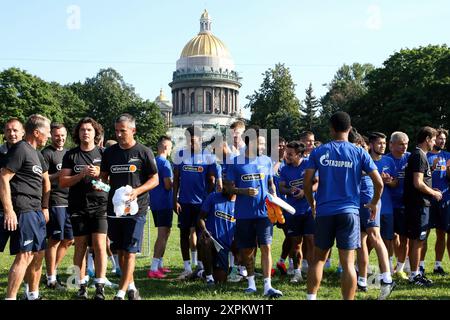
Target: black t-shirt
point(26, 186)
point(131, 167)
point(53, 158)
point(83, 198)
point(417, 162)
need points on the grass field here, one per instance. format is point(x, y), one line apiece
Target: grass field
point(170, 288)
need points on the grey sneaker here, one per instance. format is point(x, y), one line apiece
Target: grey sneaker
point(133, 295)
point(386, 289)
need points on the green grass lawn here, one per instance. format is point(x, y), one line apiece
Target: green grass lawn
point(171, 288)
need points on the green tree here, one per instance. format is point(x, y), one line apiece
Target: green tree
point(22, 94)
point(149, 121)
point(276, 103)
point(410, 90)
point(310, 109)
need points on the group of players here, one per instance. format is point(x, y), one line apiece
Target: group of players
point(346, 190)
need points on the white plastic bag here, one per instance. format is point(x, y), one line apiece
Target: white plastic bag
point(122, 205)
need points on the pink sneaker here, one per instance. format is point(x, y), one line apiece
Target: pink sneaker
point(155, 274)
point(164, 270)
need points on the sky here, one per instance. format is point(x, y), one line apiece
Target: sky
point(69, 41)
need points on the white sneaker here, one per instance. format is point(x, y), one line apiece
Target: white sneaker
point(184, 275)
point(297, 278)
point(290, 271)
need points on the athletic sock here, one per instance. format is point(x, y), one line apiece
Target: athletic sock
point(251, 282)
point(120, 294)
point(387, 277)
point(267, 284)
point(194, 258)
point(187, 266)
point(400, 266)
point(311, 297)
point(155, 264)
point(132, 287)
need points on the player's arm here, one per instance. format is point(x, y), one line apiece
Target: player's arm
point(377, 191)
point(420, 185)
point(272, 187)
point(210, 179)
point(46, 187)
point(150, 184)
point(10, 217)
point(231, 187)
point(202, 225)
point(176, 187)
point(308, 181)
point(66, 180)
point(284, 189)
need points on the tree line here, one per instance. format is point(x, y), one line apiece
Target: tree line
point(102, 97)
point(411, 89)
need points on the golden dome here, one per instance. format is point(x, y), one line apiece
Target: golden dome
point(205, 44)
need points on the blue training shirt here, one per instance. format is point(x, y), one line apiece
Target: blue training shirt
point(439, 175)
point(160, 198)
point(397, 193)
point(340, 165)
point(253, 173)
point(386, 165)
point(293, 176)
point(193, 170)
point(220, 221)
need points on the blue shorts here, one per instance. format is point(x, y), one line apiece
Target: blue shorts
point(417, 222)
point(253, 232)
point(59, 226)
point(189, 215)
point(300, 225)
point(163, 218)
point(387, 226)
point(364, 219)
point(344, 227)
point(400, 221)
point(440, 215)
point(126, 233)
point(30, 233)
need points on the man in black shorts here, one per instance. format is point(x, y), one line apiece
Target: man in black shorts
point(417, 195)
point(87, 206)
point(59, 228)
point(24, 192)
point(128, 163)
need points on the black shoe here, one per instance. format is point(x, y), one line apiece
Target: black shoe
point(440, 271)
point(117, 298)
point(197, 274)
point(82, 292)
point(133, 295)
point(361, 288)
point(99, 291)
point(420, 280)
point(422, 271)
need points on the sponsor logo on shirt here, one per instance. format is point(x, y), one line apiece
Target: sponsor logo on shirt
point(78, 168)
point(189, 168)
point(37, 169)
point(296, 183)
point(134, 160)
point(123, 168)
point(224, 215)
point(58, 166)
point(326, 162)
point(253, 177)
point(97, 160)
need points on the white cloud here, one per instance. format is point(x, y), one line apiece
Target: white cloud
point(374, 21)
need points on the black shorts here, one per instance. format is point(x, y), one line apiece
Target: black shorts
point(400, 221)
point(189, 215)
point(417, 222)
point(126, 233)
point(84, 224)
point(440, 215)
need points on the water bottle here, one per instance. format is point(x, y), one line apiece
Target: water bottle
point(101, 185)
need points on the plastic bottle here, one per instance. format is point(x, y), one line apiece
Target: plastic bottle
point(101, 185)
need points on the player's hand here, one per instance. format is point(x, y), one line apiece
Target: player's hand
point(46, 214)
point(10, 221)
point(387, 178)
point(299, 194)
point(435, 163)
point(205, 235)
point(93, 171)
point(437, 195)
point(252, 192)
point(372, 209)
point(133, 195)
point(177, 207)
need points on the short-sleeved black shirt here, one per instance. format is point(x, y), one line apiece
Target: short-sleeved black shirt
point(83, 198)
point(26, 186)
point(131, 167)
point(417, 162)
point(53, 158)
